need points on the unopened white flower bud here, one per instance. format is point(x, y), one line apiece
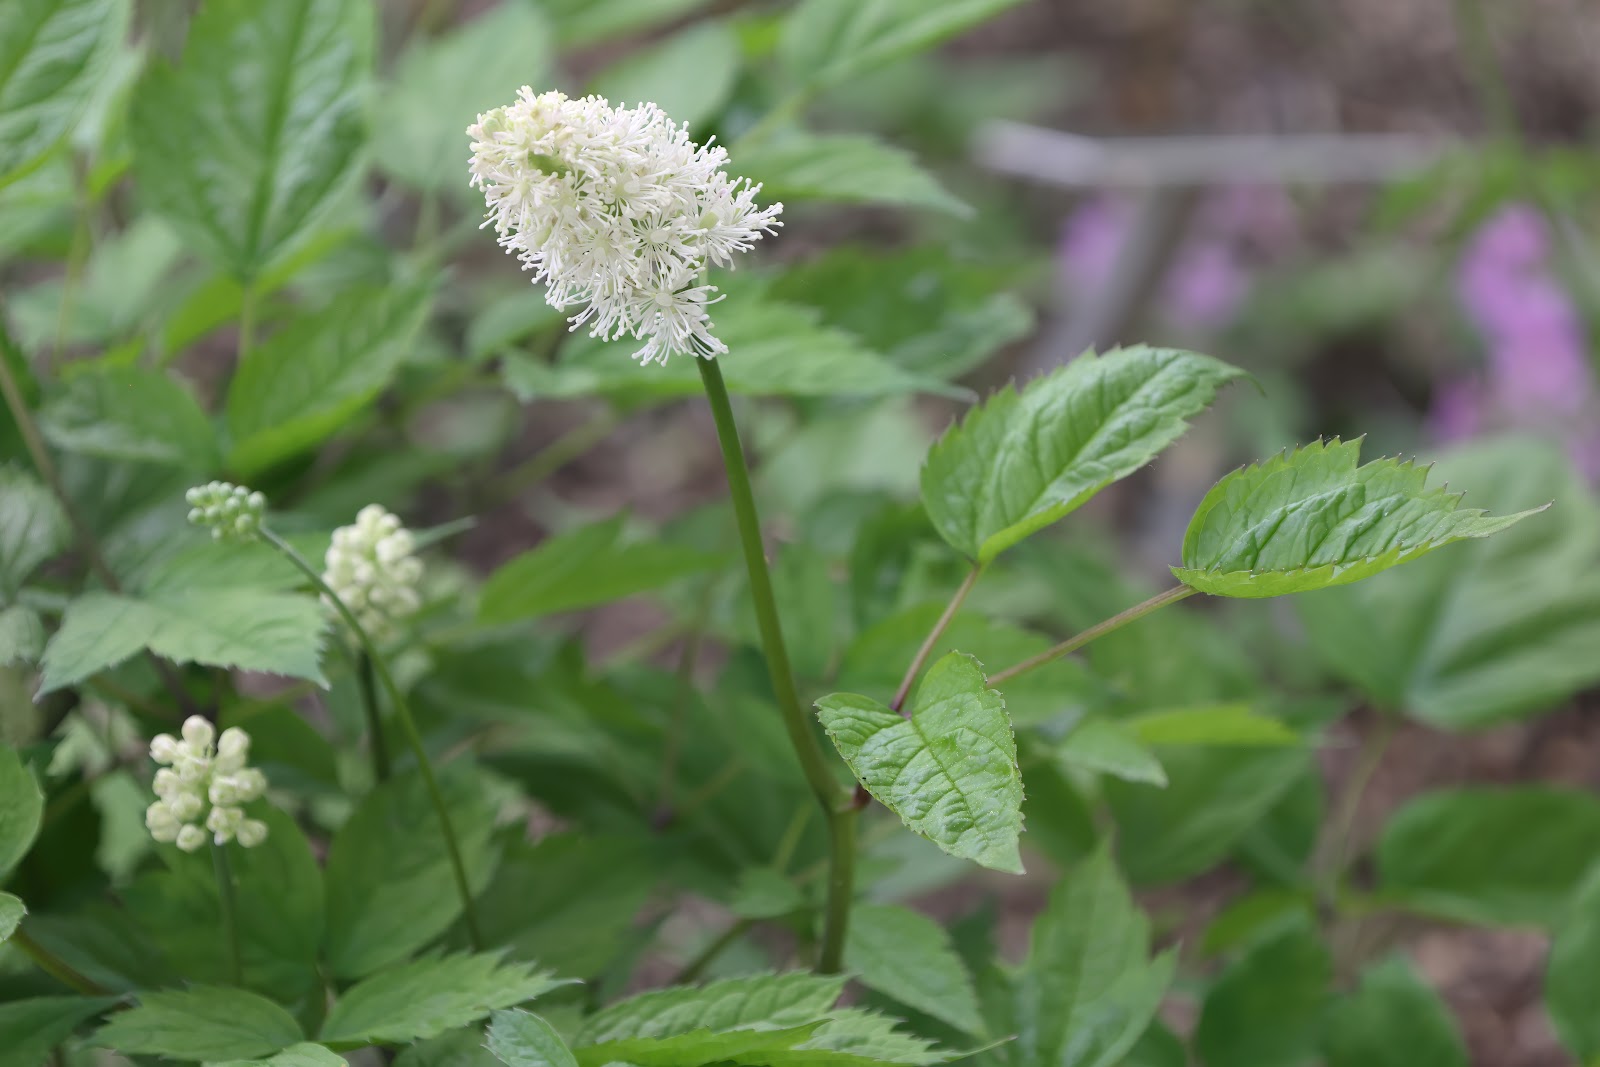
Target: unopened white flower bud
point(198, 734)
point(186, 806)
point(370, 567)
point(190, 838)
point(250, 833)
point(162, 823)
point(231, 511)
point(166, 782)
point(164, 748)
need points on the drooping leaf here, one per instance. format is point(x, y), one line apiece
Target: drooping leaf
point(1266, 1009)
point(246, 156)
point(1212, 724)
point(310, 378)
point(30, 1029)
point(51, 55)
point(12, 911)
point(844, 168)
point(826, 41)
point(906, 955)
point(1313, 518)
point(949, 771)
point(248, 629)
point(1108, 747)
point(690, 75)
point(1491, 630)
point(1088, 988)
point(521, 1039)
point(130, 413)
point(304, 1054)
point(32, 527)
point(1393, 1020)
point(1495, 856)
point(425, 998)
point(442, 84)
point(390, 886)
point(582, 567)
point(1572, 975)
point(1020, 461)
point(21, 809)
point(201, 1023)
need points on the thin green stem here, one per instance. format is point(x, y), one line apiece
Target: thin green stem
point(247, 323)
point(1116, 622)
point(1373, 748)
point(54, 966)
point(921, 658)
point(557, 454)
point(369, 704)
point(834, 799)
point(688, 659)
point(408, 727)
point(77, 258)
point(230, 910)
point(715, 947)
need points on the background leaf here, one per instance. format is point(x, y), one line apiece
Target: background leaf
point(844, 168)
point(12, 912)
point(1266, 1009)
point(1572, 976)
point(304, 1054)
point(21, 808)
point(519, 1039)
point(426, 998)
point(689, 75)
point(1393, 1020)
point(129, 413)
point(201, 1023)
point(826, 41)
point(907, 956)
point(31, 1028)
point(33, 527)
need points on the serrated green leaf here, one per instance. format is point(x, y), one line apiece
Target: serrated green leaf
point(583, 567)
point(310, 378)
point(1572, 975)
point(1393, 1020)
point(1266, 1009)
point(389, 881)
point(32, 527)
point(854, 1037)
point(201, 1023)
point(304, 1054)
point(425, 998)
point(1313, 518)
point(51, 55)
point(30, 1029)
point(1491, 630)
point(1212, 724)
point(21, 808)
point(1020, 461)
point(244, 157)
point(441, 84)
point(1497, 856)
point(21, 635)
point(775, 349)
point(907, 956)
point(247, 629)
point(1108, 747)
point(826, 41)
point(460, 1048)
point(520, 1039)
point(12, 911)
point(124, 283)
point(689, 75)
point(844, 168)
point(949, 771)
point(130, 413)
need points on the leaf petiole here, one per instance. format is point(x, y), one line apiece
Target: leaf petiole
point(1116, 622)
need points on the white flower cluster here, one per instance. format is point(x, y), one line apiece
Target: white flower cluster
point(229, 511)
point(370, 566)
point(199, 785)
point(617, 210)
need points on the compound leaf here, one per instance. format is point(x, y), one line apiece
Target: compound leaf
point(201, 1023)
point(426, 998)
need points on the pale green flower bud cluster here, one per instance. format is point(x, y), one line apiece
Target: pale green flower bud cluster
point(229, 511)
point(203, 782)
point(372, 568)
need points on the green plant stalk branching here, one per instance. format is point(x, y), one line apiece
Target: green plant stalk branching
point(369, 705)
point(54, 966)
point(1116, 622)
point(931, 642)
point(408, 726)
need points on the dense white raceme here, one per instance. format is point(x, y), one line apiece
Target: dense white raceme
point(618, 212)
point(202, 786)
point(371, 567)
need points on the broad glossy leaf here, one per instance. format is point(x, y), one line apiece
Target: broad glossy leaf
point(305, 1054)
point(690, 75)
point(427, 997)
point(21, 808)
point(1088, 988)
point(1266, 1009)
point(1313, 518)
point(12, 911)
point(130, 413)
point(521, 1039)
point(30, 1029)
point(907, 956)
point(826, 41)
point(32, 527)
point(246, 154)
point(201, 1023)
point(1572, 976)
point(583, 567)
point(1491, 630)
point(312, 377)
point(390, 886)
point(248, 629)
point(844, 168)
point(1497, 856)
point(1393, 1019)
point(1020, 461)
point(949, 771)
point(51, 55)
point(1108, 747)
point(441, 85)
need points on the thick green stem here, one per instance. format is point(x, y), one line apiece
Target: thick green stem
point(230, 910)
point(1116, 622)
point(921, 658)
point(369, 705)
point(55, 967)
point(408, 726)
point(834, 800)
point(841, 881)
